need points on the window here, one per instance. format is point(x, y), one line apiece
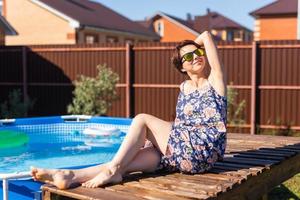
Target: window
point(111, 39)
point(91, 39)
point(217, 33)
point(238, 35)
point(160, 28)
point(229, 35)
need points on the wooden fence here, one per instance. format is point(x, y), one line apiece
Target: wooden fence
point(265, 74)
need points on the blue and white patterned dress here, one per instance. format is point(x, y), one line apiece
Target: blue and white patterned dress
point(198, 136)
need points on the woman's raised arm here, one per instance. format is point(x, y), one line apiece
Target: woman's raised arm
point(217, 72)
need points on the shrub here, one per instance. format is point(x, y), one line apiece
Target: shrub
point(94, 96)
point(285, 129)
point(14, 107)
point(235, 114)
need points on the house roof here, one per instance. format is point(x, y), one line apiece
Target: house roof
point(180, 22)
point(186, 23)
point(212, 20)
point(8, 29)
point(279, 7)
point(93, 14)
point(146, 23)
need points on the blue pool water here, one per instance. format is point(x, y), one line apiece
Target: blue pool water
point(57, 149)
point(54, 143)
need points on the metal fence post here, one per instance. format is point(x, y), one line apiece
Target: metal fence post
point(129, 77)
point(24, 68)
point(253, 87)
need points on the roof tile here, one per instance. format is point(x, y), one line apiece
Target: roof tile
point(278, 7)
point(94, 14)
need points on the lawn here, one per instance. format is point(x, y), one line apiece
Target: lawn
point(289, 190)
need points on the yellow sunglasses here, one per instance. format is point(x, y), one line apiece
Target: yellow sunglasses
point(190, 55)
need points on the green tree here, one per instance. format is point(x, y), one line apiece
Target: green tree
point(14, 107)
point(94, 95)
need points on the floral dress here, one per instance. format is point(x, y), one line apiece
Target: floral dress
point(198, 136)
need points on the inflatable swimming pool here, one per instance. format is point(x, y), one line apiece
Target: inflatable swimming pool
point(102, 132)
point(102, 137)
point(11, 139)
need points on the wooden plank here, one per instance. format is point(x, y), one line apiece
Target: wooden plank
point(225, 177)
point(258, 162)
point(296, 147)
point(144, 193)
point(274, 152)
point(261, 154)
point(159, 188)
point(284, 140)
point(88, 193)
point(222, 184)
point(253, 170)
point(242, 172)
point(200, 188)
point(281, 149)
point(256, 186)
point(250, 168)
point(239, 146)
point(187, 184)
point(265, 152)
point(239, 174)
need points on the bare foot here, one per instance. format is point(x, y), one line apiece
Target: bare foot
point(104, 177)
point(62, 179)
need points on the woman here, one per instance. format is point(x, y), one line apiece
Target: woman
point(192, 144)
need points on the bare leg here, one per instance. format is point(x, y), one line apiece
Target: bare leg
point(125, 160)
point(146, 160)
point(63, 178)
point(74, 176)
point(134, 140)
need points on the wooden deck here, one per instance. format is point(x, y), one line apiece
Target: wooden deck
point(252, 166)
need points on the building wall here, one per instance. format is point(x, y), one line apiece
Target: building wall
point(41, 27)
point(172, 32)
point(276, 28)
point(236, 35)
point(106, 36)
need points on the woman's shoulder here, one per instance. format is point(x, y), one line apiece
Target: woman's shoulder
point(218, 85)
point(181, 86)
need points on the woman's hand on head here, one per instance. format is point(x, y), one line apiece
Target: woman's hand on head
point(200, 39)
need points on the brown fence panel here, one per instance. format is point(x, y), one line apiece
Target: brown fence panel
point(153, 64)
point(280, 83)
point(51, 70)
point(11, 71)
point(236, 59)
point(160, 102)
point(156, 81)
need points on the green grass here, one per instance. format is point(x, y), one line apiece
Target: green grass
point(288, 190)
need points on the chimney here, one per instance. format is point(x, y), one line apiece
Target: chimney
point(188, 17)
point(3, 11)
point(208, 10)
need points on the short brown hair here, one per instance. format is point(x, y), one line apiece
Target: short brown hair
point(176, 58)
